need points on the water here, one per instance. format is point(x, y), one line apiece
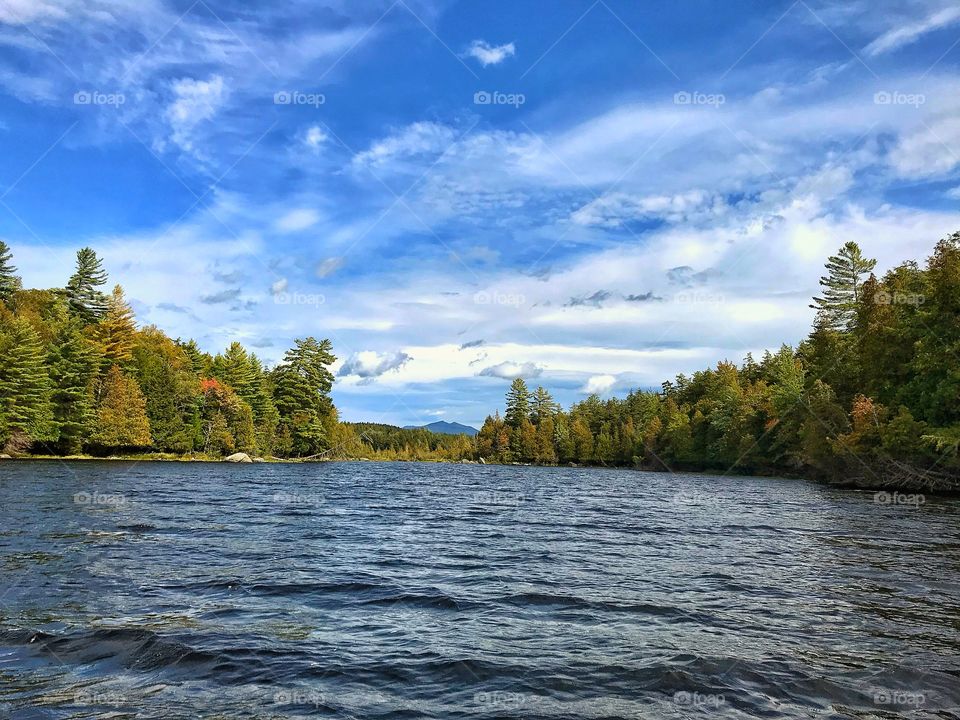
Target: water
point(369, 590)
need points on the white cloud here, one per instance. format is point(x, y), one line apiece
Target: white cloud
point(954, 193)
point(370, 364)
point(598, 385)
point(420, 138)
point(297, 220)
point(907, 34)
point(487, 54)
point(315, 137)
point(329, 266)
point(932, 150)
point(614, 209)
point(512, 370)
point(195, 101)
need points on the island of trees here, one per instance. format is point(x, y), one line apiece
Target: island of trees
point(871, 397)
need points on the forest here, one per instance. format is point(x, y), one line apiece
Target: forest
point(873, 392)
point(871, 397)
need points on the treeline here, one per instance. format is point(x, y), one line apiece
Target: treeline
point(77, 375)
point(376, 441)
point(872, 396)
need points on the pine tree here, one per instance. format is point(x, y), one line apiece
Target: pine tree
point(518, 404)
point(73, 367)
point(542, 406)
point(25, 388)
point(116, 332)
point(122, 413)
point(9, 282)
point(842, 287)
point(86, 300)
point(302, 385)
point(234, 367)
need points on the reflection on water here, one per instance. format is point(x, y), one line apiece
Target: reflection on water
point(367, 590)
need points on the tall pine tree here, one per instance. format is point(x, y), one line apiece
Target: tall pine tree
point(842, 286)
point(73, 368)
point(82, 291)
point(116, 332)
point(25, 408)
point(9, 282)
point(302, 386)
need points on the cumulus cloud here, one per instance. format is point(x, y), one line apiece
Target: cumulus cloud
point(487, 54)
point(369, 364)
point(315, 137)
point(512, 370)
point(598, 385)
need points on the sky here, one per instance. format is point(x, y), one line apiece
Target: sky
point(592, 195)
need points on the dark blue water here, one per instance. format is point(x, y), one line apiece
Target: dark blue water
point(368, 590)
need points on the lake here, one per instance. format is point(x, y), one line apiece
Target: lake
point(408, 590)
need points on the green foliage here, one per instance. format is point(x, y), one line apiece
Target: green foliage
point(25, 388)
point(83, 289)
point(302, 385)
point(9, 282)
point(121, 413)
point(842, 287)
point(73, 362)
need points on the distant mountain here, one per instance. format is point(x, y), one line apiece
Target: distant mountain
point(444, 427)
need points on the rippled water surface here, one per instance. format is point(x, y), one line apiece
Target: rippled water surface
point(368, 590)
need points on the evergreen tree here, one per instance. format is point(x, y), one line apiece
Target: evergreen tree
point(518, 404)
point(25, 388)
point(842, 287)
point(116, 332)
point(542, 406)
point(172, 389)
point(82, 291)
point(73, 368)
point(9, 282)
point(302, 385)
point(122, 413)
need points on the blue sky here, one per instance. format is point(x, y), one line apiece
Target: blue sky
point(591, 195)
